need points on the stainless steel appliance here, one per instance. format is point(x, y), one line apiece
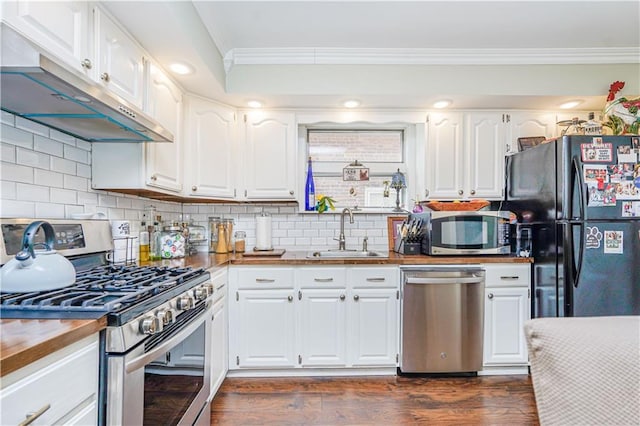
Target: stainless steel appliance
point(442, 310)
point(156, 347)
point(580, 197)
point(464, 232)
point(38, 89)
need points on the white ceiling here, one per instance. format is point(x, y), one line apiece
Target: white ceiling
point(311, 40)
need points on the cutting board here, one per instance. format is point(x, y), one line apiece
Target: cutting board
point(274, 252)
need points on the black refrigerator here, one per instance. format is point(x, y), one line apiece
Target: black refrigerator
point(578, 197)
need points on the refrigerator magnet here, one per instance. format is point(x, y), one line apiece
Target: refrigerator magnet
point(626, 154)
point(592, 237)
point(613, 242)
point(600, 153)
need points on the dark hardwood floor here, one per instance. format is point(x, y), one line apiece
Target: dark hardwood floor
point(495, 400)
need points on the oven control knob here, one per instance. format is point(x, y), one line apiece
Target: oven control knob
point(209, 287)
point(166, 316)
point(200, 293)
point(150, 325)
point(184, 303)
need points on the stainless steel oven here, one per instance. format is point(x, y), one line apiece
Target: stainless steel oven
point(165, 380)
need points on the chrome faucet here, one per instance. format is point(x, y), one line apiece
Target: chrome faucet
point(341, 239)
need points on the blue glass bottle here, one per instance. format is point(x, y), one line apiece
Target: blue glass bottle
point(309, 190)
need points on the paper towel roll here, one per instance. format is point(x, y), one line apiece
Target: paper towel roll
point(263, 233)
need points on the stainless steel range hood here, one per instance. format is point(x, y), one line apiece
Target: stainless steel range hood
point(35, 87)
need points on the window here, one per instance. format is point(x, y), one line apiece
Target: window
point(381, 150)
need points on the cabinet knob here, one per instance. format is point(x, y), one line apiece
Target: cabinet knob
point(473, 192)
point(356, 297)
point(290, 298)
point(290, 192)
point(86, 64)
point(460, 192)
point(194, 188)
point(154, 177)
point(490, 296)
point(342, 297)
point(426, 192)
point(104, 77)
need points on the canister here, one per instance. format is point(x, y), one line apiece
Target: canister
point(214, 221)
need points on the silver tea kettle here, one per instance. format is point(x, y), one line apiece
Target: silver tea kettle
point(37, 270)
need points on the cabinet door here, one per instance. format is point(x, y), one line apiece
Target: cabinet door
point(323, 326)
point(219, 346)
point(210, 142)
point(164, 160)
point(61, 28)
point(265, 329)
point(444, 156)
point(485, 155)
point(270, 153)
point(120, 60)
point(529, 124)
point(506, 310)
point(373, 321)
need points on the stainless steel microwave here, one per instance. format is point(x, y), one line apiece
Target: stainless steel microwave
point(465, 232)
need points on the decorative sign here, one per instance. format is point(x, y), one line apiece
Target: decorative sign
point(613, 242)
point(597, 152)
point(355, 172)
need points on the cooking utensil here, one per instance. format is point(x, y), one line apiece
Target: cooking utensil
point(37, 270)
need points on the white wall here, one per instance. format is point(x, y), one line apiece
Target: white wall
point(46, 174)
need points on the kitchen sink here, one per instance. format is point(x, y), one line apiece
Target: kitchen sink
point(344, 254)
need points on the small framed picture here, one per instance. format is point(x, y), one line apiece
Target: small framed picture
point(530, 142)
point(355, 173)
point(394, 223)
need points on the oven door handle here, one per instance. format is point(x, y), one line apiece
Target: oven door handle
point(147, 357)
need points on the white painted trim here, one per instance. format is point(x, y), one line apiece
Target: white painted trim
point(313, 372)
point(427, 56)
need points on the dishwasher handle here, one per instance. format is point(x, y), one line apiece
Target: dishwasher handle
point(450, 280)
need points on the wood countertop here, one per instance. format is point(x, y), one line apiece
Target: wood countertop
point(23, 341)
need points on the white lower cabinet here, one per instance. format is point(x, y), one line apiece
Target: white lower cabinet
point(219, 330)
point(316, 317)
point(60, 388)
point(507, 307)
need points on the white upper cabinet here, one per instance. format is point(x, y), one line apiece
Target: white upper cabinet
point(485, 154)
point(444, 162)
point(61, 28)
point(269, 156)
point(210, 135)
point(529, 124)
point(120, 65)
point(164, 160)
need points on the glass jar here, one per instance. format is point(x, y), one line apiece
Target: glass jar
point(239, 241)
point(171, 242)
point(214, 221)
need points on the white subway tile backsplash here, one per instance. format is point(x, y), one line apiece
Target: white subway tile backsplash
point(73, 209)
point(62, 165)
point(50, 210)
point(238, 209)
point(16, 136)
point(7, 118)
point(83, 170)
point(62, 137)
point(105, 200)
point(76, 154)
point(48, 178)
point(31, 126)
point(13, 208)
point(47, 146)
point(83, 145)
point(63, 196)
point(8, 190)
point(85, 198)
point(27, 192)
point(8, 153)
point(27, 157)
point(75, 182)
point(16, 173)
point(124, 203)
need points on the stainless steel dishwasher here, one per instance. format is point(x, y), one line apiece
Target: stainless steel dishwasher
point(442, 319)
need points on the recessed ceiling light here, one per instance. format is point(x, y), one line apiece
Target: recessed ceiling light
point(570, 104)
point(442, 104)
point(351, 104)
point(254, 104)
point(181, 68)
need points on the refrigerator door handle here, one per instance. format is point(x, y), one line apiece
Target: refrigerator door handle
point(573, 256)
point(576, 174)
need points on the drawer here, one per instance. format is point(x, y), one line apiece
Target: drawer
point(65, 384)
point(321, 277)
point(508, 275)
point(376, 276)
point(220, 280)
point(262, 277)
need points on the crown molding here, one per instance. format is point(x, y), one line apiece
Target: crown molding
point(418, 56)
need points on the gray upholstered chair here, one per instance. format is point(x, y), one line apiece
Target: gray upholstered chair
point(586, 371)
